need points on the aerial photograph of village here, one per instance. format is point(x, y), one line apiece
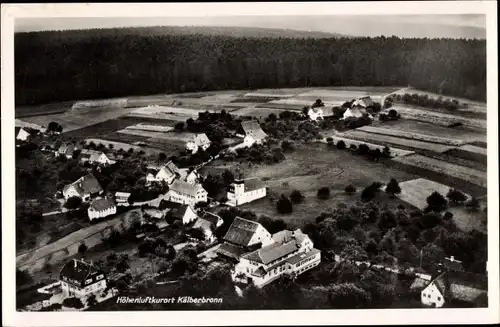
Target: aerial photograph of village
point(251, 163)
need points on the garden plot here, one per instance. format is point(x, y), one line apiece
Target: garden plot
point(395, 152)
point(158, 135)
point(467, 174)
point(24, 124)
point(386, 139)
point(305, 102)
point(268, 95)
point(123, 146)
point(149, 127)
point(95, 104)
point(256, 112)
point(474, 149)
point(338, 95)
point(410, 135)
point(279, 106)
point(438, 118)
point(151, 110)
point(416, 191)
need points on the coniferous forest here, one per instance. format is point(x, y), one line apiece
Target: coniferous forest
point(74, 65)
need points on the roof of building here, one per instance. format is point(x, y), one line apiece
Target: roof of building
point(96, 156)
point(301, 256)
point(155, 213)
point(164, 204)
point(253, 129)
point(230, 250)
point(203, 224)
point(241, 231)
point(252, 184)
point(178, 212)
point(357, 111)
point(102, 204)
point(316, 110)
point(272, 252)
point(67, 148)
point(365, 102)
point(211, 217)
point(86, 184)
point(201, 139)
point(77, 271)
point(122, 194)
point(184, 187)
point(460, 285)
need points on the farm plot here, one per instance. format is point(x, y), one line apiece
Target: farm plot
point(159, 135)
point(395, 152)
point(416, 191)
point(413, 126)
point(438, 118)
point(284, 106)
point(253, 99)
point(474, 149)
point(256, 112)
point(386, 139)
point(306, 102)
point(45, 109)
point(123, 138)
point(165, 145)
point(153, 128)
point(467, 155)
point(463, 173)
point(307, 169)
point(143, 101)
point(410, 135)
point(99, 104)
point(123, 146)
point(269, 95)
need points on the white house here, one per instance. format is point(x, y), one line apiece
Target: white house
point(198, 141)
point(176, 211)
point(100, 208)
point(167, 173)
point(81, 279)
point(363, 102)
point(192, 177)
point(315, 113)
point(182, 192)
point(244, 232)
point(84, 188)
point(98, 157)
point(122, 197)
point(356, 112)
point(22, 134)
point(245, 190)
point(253, 133)
point(291, 253)
point(67, 150)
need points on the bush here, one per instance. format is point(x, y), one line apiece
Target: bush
point(323, 193)
point(447, 215)
point(370, 191)
point(363, 149)
point(436, 202)
point(350, 189)
point(393, 188)
point(73, 203)
point(296, 196)
point(73, 302)
point(341, 145)
point(284, 205)
point(455, 196)
point(287, 146)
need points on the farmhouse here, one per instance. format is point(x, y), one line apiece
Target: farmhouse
point(176, 211)
point(22, 134)
point(84, 188)
point(67, 150)
point(291, 253)
point(198, 141)
point(356, 112)
point(315, 113)
point(92, 157)
point(363, 102)
point(185, 193)
point(459, 288)
point(80, 279)
point(245, 190)
point(193, 177)
point(167, 174)
point(244, 232)
point(253, 133)
point(122, 197)
point(100, 208)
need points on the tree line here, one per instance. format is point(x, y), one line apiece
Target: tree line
point(101, 64)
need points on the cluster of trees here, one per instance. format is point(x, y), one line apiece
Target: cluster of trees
point(362, 149)
point(214, 184)
point(391, 115)
point(258, 153)
point(291, 125)
point(75, 66)
point(423, 100)
point(157, 247)
point(356, 122)
point(437, 202)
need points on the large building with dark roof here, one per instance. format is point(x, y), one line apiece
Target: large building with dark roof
point(84, 188)
point(80, 279)
point(246, 190)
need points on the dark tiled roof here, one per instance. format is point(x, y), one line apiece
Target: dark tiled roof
point(301, 256)
point(164, 204)
point(203, 224)
point(241, 231)
point(183, 187)
point(253, 129)
point(230, 250)
point(453, 265)
point(86, 184)
point(102, 204)
point(270, 253)
point(211, 217)
point(178, 212)
point(76, 272)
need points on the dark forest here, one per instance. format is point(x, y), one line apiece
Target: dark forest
point(75, 65)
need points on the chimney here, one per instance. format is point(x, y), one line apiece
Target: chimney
point(74, 261)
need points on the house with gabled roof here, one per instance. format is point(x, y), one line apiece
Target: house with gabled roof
point(168, 173)
point(22, 134)
point(67, 149)
point(245, 190)
point(183, 192)
point(291, 253)
point(364, 102)
point(92, 156)
point(101, 208)
point(252, 133)
point(315, 113)
point(208, 222)
point(177, 211)
point(198, 141)
point(80, 279)
point(457, 287)
point(85, 187)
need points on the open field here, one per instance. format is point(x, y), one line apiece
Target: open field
point(449, 157)
point(269, 95)
point(416, 191)
point(45, 109)
point(428, 128)
point(305, 102)
point(464, 173)
point(257, 112)
point(151, 127)
point(391, 140)
point(254, 99)
point(99, 104)
point(474, 149)
point(395, 152)
point(167, 146)
point(284, 106)
point(438, 118)
point(411, 135)
point(309, 168)
point(123, 138)
point(467, 155)
point(460, 112)
point(159, 135)
point(125, 146)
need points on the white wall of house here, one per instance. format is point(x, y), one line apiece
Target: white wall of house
point(192, 178)
point(191, 146)
point(165, 175)
point(70, 192)
point(261, 235)
point(69, 290)
point(315, 115)
point(22, 135)
point(177, 197)
point(432, 296)
point(94, 214)
point(189, 216)
point(239, 196)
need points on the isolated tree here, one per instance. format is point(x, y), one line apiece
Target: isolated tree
point(162, 156)
point(54, 127)
point(341, 145)
point(179, 127)
point(455, 196)
point(363, 149)
point(287, 146)
point(436, 202)
point(386, 152)
point(447, 215)
point(323, 193)
point(392, 188)
point(305, 110)
point(296, 196)
point(318, 103)
point(82, 248)
point(284, 205)
point(73, 202)
point(350, 189)
point(72, 302)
